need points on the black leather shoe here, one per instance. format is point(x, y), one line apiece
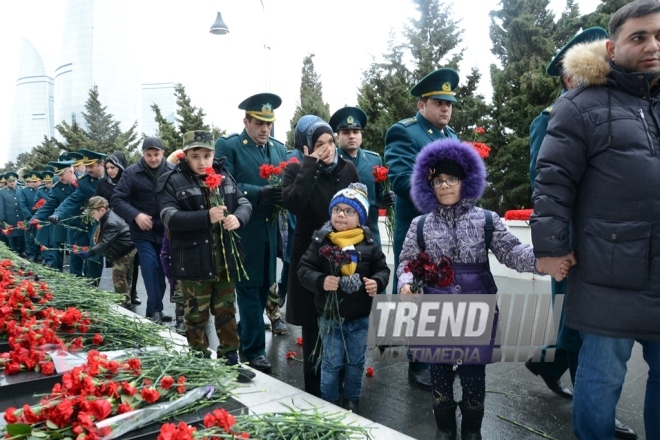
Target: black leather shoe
point(621, 430)
point(165, 318)
point(555, 385)
point(421, 379)
point(278, 327)
point(136, 301)
point(261, 363)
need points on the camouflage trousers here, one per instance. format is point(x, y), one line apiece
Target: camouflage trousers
point(122, 274)
point(273, 304)
point(210, 296)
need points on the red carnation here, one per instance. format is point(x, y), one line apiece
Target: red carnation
point(124, 408)
point(369, 372)
point(479, 130)
point(47, 368)
point(291, 355)
point(128, 388)
point(299, 342)
point(150, 395)
point(166, 382)
point(97, 339)
point(10, 416)
point(12, 368)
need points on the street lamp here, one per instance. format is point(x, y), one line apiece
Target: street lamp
point(219, 27)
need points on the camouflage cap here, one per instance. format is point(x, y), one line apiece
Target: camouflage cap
point(96, 202)
point(198, 139)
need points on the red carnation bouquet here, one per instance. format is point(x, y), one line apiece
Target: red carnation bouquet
point(381, 178)
point(213, 182)
point(482, 148)
point(518, 214)
point(426, 273)
point(273, 174)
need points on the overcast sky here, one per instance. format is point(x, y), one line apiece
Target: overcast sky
point(175, 45)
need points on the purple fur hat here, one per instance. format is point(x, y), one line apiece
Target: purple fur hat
point(472, 186)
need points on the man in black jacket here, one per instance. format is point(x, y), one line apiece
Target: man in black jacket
point(598, 172)
point(135, 201)
point(114, 243)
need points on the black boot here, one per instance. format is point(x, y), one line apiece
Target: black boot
point(445, 419)
point(351, 405)
point(471, 424)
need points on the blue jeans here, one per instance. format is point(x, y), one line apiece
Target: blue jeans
point(600, 375)
point(343, 352)
point(152, 274)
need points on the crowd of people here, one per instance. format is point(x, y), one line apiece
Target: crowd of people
point(208, 220)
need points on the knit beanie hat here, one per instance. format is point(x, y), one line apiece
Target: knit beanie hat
point(356, 197)
point(450, 167)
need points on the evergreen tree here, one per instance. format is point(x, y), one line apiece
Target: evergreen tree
point(432, 41)
point(311, 98)
point(601, 16)
point(74, 137)
point(167, 132)
point(522, 32)
point(188, 117)
point(101, 128)
point(43, 153)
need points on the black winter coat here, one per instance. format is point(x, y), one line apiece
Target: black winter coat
point(185, 213)
point(136, 193)
point(115, 237)
point(372, 263)
point(307, 191)
point(599, 171)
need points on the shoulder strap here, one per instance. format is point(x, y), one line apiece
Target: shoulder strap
point(420, 233)
point(488, 228)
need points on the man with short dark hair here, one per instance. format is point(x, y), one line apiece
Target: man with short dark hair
point(10, 214)
point(245, 153)
point(598, 172)
point(135, 200)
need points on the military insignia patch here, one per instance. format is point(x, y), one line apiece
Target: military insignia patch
point(350, 119)
point(266, 108)
point(446, 87)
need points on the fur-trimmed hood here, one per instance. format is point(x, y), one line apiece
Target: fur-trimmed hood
point(472, 187)
point(588, 63)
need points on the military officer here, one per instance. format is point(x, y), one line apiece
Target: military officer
point(78, 162)
point(566, 353)
point(348, 123)
point(62, 189)
point(10, 214)
point(3, 185)
point(27, 201)
point(42, 235)
point(72, 208)
point(245, 153)
point(403, 141)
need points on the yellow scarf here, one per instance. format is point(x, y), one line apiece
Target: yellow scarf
point(346, 239)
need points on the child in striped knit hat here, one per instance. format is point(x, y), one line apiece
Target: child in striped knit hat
point(344, 339)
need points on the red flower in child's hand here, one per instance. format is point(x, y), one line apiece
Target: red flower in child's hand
point(369, 372)
point(299, 342)
point(213, 181)
point(180, 155)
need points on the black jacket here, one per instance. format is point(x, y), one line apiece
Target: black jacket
point(307, 191)
point(136, 193)
point(599, 172)
point(185, 213)
point(313, 270)
point(115, 237)
point(106, 186)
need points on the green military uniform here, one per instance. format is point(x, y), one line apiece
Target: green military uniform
point(403, 141)
point(57, 232)
point(353, 118)
point(81, 228)
point(3, 185)
point(42, 235)
point(259, 236)
point(11, 214)
point(28, 199)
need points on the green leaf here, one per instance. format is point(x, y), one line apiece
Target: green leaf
point(39, 434)
point(51, 425)
point(125, 398)
point(19, 429)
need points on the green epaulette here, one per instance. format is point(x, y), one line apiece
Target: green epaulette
point(229, 136)
point(409, 121)
point(272, 141)
point(373, 153)
point(83, 177)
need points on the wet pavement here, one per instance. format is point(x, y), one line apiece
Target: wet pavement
point(513, 393)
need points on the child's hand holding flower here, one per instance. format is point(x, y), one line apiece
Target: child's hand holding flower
point(231, 223)
point(331, 283)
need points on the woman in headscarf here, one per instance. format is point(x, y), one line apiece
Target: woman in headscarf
point(115, 164)
point(307, 188)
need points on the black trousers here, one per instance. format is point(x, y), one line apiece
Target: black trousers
point(311, 359)
point(473, 384)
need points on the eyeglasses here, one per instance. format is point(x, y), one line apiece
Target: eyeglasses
point(450, 181)
point(348, 212)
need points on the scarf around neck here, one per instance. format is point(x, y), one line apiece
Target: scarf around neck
point(346, 241)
